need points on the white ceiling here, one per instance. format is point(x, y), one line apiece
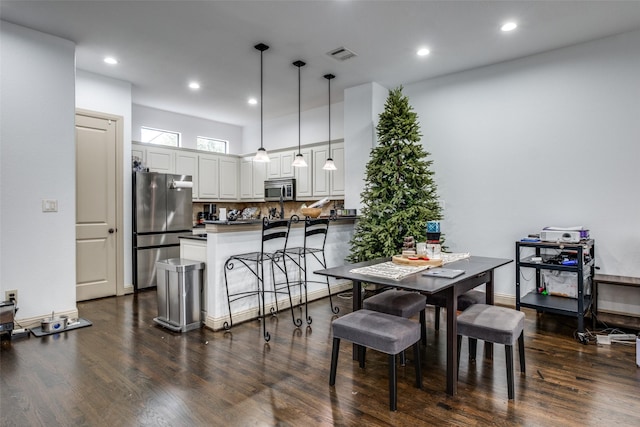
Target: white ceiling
point(162, 45)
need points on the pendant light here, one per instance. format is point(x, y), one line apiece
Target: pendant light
point(299, 162)
point(329, 165)
point(261, 154)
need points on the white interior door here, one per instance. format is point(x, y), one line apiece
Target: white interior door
point(96, 244)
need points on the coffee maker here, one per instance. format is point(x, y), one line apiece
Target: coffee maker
point(210, 212)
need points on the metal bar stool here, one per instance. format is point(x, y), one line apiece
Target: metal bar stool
point(273, 232)
point(315, 238)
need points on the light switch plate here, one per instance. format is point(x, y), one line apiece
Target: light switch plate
point(49, 205)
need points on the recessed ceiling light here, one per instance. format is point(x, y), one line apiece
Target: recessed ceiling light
point(509, 26)
point(423, 51)
point(110, 60)
point(252, 101)
point(194, 85)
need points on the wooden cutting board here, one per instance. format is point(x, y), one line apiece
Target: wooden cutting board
point(398, 259)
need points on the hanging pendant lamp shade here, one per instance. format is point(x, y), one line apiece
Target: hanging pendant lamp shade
point(329, 165)
point(261, 154)
point(299, 161)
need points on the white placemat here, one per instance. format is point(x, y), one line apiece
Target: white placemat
point(393, 271)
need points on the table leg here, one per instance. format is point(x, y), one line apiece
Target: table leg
point(452, 340)
point(356, 301)
point(488, 347)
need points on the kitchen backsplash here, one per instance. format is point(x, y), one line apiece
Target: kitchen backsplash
point(290, 208)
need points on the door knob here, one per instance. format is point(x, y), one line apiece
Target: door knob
point(111, 231)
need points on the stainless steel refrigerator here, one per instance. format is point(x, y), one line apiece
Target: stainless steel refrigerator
point(162, 212)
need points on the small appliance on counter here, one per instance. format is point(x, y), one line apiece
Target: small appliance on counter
point(210, 210)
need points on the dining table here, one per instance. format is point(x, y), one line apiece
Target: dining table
point(478, 270)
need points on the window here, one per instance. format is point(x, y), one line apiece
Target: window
point(160, 137)
point(211, 144)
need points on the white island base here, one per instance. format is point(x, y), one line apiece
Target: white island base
point(226, 239)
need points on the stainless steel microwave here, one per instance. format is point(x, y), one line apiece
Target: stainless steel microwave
point(280, 189)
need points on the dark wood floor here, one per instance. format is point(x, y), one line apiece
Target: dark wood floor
point(125, 371)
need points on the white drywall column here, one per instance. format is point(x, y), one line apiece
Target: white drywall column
point(37, 161)
point(362, 105)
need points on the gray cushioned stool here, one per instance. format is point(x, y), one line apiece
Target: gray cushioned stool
point(400, 303)
point(378, 331)
point(499, 325)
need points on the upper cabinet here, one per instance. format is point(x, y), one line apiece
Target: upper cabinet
point(320, 176)
point(215, 176)
point(187, 164)
point(208, 177)
point(159, 159)
point(336, 179)
point(304, 178)
point(328, 183)
point(221, 177)
point(252, 177)
point(228, 178)
point(280, 165)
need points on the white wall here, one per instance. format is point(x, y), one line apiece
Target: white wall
point(548, 140)
point(37, 108)
point(283, 132)
point(363, 105)
point(106, 95)
point(190, 127)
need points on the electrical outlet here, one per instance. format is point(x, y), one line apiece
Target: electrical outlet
point(11, 295)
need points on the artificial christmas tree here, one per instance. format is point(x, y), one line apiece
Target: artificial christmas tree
point(399, 195)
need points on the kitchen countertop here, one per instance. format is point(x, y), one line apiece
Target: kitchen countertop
point(202, 236)
point(253, 224)
point(259, 221)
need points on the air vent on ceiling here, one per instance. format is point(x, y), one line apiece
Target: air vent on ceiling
point(341, 54)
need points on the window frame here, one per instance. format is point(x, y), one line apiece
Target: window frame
point(164, 131)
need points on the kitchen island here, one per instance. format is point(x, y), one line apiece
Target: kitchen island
point(226, 238)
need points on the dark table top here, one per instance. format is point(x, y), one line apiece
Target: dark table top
point(472, 266)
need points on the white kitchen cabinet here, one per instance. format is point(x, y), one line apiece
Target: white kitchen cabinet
point(286, 164)
point(138, 152)
point(259, 176)
point(228, 178)
point(273, 167)
point(321, 180)
point(304, 176)
point(208, 177)
point(246, 178)
point(281, 165)
point(336, 178)
point(187, 164)
point(161, 159)
point(252, 177)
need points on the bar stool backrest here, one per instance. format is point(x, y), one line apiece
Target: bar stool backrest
point(314, 227)
point(272, 230)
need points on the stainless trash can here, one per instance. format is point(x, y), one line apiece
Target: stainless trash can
point(179, 294)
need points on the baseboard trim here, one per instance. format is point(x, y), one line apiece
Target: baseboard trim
point(32, 322)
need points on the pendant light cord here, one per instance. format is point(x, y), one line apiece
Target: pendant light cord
point(299, 106)
point(261, 90)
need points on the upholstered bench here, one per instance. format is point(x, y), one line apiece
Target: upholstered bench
point(382, 332)
point(400, 303)
point(498, 325)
